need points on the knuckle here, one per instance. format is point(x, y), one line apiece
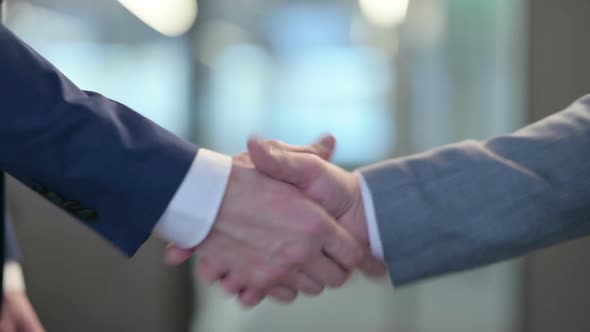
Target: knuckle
point(230, 288)
point(311, 289)
point(283, 296)
point(232, 284)
point(314, 291)
point(339, 281)
point(315, 160)
point(206, 272)
point(205, 275)
point(274, 143)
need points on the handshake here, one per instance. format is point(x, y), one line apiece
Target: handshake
point(289, 222)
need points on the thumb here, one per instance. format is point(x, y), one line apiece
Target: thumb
point(325, 147)
point(176, 256)
point(276, 161)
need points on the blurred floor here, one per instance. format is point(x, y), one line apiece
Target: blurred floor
point(78, 282)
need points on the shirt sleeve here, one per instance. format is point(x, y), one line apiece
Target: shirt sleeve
point(190, 215)
point(372, 226)
point(13, 277)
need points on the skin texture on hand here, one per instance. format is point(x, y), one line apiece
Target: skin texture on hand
point(268, 235)
point(18, 314)
point(333, 188)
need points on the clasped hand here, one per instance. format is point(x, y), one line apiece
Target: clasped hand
point(289, 222)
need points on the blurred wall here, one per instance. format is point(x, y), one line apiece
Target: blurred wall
point(557, 284)
point(77, 282)
point(80, 283)
point(459, 73)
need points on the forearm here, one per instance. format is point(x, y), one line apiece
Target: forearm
point(91, 156)
point(475, 203)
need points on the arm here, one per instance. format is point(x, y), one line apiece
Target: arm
point(460, 206)
point(123, 176)
point(95, 158)
point(474, 203)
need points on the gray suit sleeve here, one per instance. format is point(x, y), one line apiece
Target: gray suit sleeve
point(474, 203)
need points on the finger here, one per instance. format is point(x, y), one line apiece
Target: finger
point(282, 294)
point(176, 256)
point(342, 248)
point(301, 171)
point(323, 148)
point(373, 268)
point(232, 284)
point(251, 297)
point(325, 272)
point(326, 145)
point(209, 270)
point(277, 163)
point(303, 283)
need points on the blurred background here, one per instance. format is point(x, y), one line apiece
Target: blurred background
point(386, 77)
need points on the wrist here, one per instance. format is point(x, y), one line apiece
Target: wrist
point(233, 189)
point(242, 179)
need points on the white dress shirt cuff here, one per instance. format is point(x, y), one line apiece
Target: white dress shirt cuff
point(13, 277)
point(372, 225)
point(190, 215)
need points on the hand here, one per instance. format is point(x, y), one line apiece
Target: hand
point(267, 234)
point(18, 314)
point(335, 189)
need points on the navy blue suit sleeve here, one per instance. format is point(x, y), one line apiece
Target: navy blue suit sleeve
point(97, 159)
point(11, 249)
